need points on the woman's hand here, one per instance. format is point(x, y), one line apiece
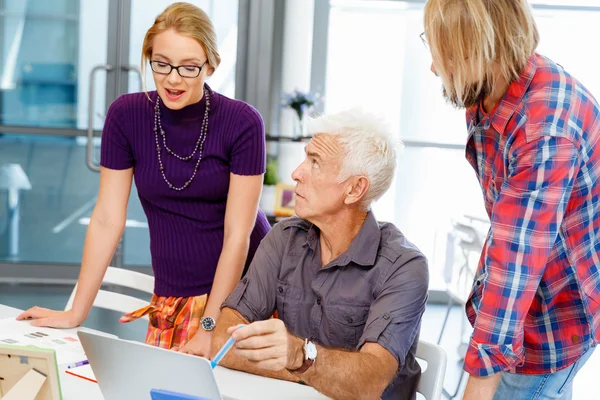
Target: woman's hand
point(44, 317)
point(199, 345)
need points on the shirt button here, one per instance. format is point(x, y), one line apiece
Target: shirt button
point(350, 320)
point(280, 289)
point(386, 316)
point(318, 300)
point(245, 280)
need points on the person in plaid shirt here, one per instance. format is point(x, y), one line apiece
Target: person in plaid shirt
point(533, 141)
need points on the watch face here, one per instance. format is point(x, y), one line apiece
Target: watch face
point(208, 323)
point(311, 351)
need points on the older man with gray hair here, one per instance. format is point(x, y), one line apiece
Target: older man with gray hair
point(349, 291)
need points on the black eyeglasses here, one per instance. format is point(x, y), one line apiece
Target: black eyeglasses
point(185, 71)
point(422, 36)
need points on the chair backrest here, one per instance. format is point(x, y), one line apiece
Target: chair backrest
point(468, 237)
point(459, 272)
point(432, 377)
point(117, 301)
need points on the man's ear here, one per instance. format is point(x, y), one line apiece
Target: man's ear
point(357, 189)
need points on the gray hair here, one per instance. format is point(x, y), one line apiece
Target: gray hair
point(368, 148)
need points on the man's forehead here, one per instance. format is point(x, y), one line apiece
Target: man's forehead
point(324, 145)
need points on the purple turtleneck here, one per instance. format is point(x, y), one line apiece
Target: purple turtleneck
point(187, 226)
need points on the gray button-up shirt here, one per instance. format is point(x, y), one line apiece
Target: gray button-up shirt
point(375, 292)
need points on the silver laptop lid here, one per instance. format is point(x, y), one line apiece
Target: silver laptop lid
point(127, 370)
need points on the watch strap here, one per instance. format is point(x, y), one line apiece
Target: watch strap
point(306, 364)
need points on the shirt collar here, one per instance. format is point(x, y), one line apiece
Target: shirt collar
point(511, 100)
point(363, 248)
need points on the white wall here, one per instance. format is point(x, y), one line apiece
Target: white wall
point(297, 61)
point(93, 38)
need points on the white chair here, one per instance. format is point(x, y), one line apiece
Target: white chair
point(459, 283)
point(432, 376)
point(117, 301)
point(468, 235)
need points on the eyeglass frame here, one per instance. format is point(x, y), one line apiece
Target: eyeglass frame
point(176, 67)
point(424, 40)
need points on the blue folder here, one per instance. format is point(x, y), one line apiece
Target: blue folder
point(168, 395)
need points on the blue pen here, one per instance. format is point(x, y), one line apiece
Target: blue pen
point(78, 364)
point(226, 347)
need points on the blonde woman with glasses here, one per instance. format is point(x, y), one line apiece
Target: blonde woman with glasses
point(197, 158)
point(533, 141)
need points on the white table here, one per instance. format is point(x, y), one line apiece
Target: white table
point(233, 384)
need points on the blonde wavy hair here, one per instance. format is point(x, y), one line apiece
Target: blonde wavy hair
point(189, 20)
point(474, 43)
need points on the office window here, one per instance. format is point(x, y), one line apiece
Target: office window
point(376, 60)
point(38, 62)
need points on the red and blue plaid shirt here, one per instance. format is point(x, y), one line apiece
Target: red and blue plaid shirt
point(535, 302)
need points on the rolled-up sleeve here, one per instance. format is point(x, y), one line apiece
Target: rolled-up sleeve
point(395, 316)
point(526, 218)
point(255, 296)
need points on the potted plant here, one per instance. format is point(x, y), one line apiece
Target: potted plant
point(301, 103)
point(267, 198)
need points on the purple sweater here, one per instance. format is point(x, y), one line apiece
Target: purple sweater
point(186, 227)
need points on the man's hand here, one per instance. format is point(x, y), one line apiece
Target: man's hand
point(268, 345)
point(199, 345)
point(482, 388)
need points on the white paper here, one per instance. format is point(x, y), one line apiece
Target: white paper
point(20, 333)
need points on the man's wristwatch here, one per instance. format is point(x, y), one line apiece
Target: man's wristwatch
point(310, 355)
point(207, 323)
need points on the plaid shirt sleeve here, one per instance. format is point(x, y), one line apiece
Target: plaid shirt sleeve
point(525, 222)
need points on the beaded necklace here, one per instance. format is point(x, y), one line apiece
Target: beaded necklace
point(158, 129)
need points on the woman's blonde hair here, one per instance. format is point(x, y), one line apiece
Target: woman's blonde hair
point(189, 20)
point(475, 42)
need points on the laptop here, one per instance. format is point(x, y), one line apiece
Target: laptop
point(127, 370)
